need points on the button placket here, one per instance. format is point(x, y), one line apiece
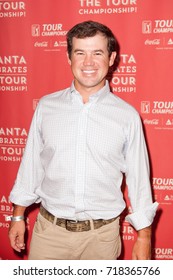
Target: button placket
point(81, 158)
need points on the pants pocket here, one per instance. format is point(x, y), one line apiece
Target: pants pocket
point(41, 225)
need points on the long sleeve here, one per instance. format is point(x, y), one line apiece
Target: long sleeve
point(138, 178)
point(30, 173)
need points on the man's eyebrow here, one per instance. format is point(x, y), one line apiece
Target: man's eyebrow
point(81, 50)
point(78, 50)
point(99, 50)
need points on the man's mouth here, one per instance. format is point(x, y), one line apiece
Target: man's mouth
point(88, 71)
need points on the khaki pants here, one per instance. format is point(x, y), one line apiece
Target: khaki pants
point(52, 242)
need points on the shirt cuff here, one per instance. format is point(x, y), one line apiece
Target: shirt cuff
point(19, 197)
point(142, 218)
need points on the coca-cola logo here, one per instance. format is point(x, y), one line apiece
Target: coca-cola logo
point(152, 42)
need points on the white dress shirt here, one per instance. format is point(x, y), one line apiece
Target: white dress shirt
point(76, 155)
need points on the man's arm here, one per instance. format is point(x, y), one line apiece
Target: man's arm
point(142, 246)
point(17, 229)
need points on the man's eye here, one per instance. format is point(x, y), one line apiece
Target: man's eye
point(98, 53)
point(79, 53)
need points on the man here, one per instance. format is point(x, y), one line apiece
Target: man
point(81, 141)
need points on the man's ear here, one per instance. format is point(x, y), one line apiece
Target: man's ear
point(112, 58)
point(68, 59)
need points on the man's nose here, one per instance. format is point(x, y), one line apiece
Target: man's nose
point(88, 60)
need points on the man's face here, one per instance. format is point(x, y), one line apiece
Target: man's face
point(90, 62)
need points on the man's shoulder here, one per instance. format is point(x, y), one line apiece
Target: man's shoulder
point(54, 95)
point(122, 105)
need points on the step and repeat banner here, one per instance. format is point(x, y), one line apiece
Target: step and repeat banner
point(33, 63)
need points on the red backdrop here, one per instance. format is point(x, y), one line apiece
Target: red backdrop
point(33, 63)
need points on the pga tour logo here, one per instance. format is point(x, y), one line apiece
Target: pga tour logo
point(147, 26)
point(35, 30)
point(145, 107)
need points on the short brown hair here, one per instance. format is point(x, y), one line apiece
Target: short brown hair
point(89, 29)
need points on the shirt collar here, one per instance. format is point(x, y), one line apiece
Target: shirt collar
point(99, 95)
